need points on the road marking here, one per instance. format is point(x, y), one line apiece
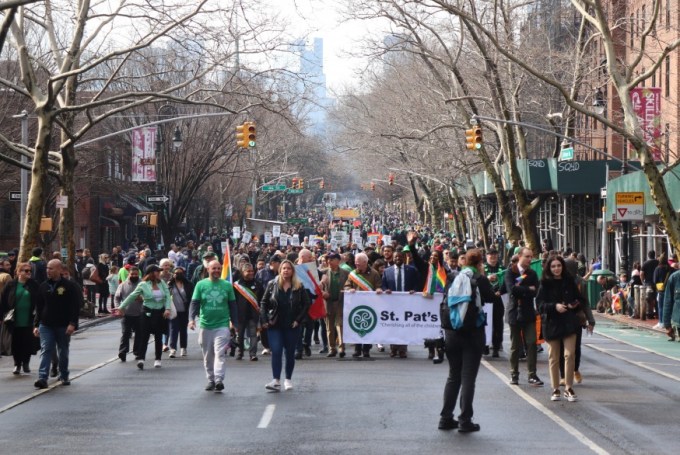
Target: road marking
point(39, 392)
point(582, 438)
point(267, 416)
point(632, 362)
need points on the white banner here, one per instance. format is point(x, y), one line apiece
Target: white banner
point(236, 232)
point(283, 240)
point(267, 237)
point(144, 154)
point(295, 240)
point(276, 230)
point(396, 318)
point(247, 237)
point(387, 239)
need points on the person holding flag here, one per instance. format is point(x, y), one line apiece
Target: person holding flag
point(248, 295)
point(435, 282)
point(363, 279)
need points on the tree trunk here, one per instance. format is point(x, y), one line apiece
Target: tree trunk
point(37, 190)
point(68, 215)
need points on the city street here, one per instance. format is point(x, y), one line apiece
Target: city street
point(627, 402)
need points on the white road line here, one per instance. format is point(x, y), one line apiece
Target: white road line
point(582, 438)
point(267, 416)
point(37, 393)
point(632, 362)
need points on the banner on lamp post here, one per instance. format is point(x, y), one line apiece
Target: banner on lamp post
point(647, 107)
point(144, 154)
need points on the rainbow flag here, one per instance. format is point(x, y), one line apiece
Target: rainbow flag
point(226, 265)
point(436, 280)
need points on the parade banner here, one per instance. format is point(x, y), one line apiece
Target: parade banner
point(144, 154)
point(647, 106)
point(396, 318)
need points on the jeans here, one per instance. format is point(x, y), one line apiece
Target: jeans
point(178, 329)
point(128, 325)
point(305, 340)
point(280, 340)
point(251, 327)
point(464, 352)
point(214, 343)
point(659, 305)
point(523, 332)
point(49, 338)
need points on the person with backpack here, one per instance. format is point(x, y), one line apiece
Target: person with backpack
point(465, 340)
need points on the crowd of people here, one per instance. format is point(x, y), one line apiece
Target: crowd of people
point(264, 302)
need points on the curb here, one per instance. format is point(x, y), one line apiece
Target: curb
point(89, 323)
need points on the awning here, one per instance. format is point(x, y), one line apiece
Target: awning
point(108, 222)
point(136, 203)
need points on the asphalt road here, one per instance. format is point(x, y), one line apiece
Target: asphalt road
point(628, 404)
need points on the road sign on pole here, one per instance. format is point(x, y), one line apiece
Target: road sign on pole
point(630, 206)
point(567, 154)
point(270, 188)
point(15, 196)
point(157, 199)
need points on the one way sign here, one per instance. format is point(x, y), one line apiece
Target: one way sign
point(157, 199)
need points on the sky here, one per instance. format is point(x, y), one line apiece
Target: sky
point(323, 19)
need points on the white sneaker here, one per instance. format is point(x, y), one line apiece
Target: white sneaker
point(173, 352)
point(157, 364)
point(287, 384)
point(183, 352)
point(274, 385)
point(266, 351)
point(658, 326)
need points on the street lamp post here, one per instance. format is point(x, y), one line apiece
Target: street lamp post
point(176, 145)
point(600, 107)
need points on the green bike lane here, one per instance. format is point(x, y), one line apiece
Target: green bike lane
point(633, 333)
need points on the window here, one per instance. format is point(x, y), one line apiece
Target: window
point(643, 17)
point(667, 82)
point(668, 14)
point(632, 31)
point(644, 81)
point(637, 23)
point(654, 79)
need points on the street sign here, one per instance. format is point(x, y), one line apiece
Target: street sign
point(62, 202)
point(15, 196)
point(630, 206)
point(567, 154)
point(603, 193)
point(269, 188)
point(157, 199)
point(296, 220)
point(292, 191)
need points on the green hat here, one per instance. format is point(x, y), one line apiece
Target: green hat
point(208, 254)
point(406, 249)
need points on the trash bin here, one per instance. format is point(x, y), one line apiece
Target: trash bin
point(594, 289)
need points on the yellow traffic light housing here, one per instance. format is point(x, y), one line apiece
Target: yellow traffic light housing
point(321, 184)
point(473, 138)
point(301, 183)
point(250, 134)
point(241, 140)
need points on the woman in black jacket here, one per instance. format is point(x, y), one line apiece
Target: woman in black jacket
point(181, 290)
point(559, 300)
point(283, 310)
point(21, 296)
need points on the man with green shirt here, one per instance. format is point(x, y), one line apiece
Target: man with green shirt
point(215, 301)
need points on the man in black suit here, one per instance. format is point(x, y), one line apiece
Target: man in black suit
point(522, 284)
point(400, 278)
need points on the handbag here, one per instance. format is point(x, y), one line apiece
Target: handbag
point(9, 317)
point(661, 286)
point(94, 276)
point(173, 311)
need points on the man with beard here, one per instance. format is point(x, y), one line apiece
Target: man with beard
point(132, 319)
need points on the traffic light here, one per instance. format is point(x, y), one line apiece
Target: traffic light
point(473, 138)
point(390, 178)
point(241, 136)
point(321, 184)
point(251, 134)
point(372, 186)
point(246, 135)
point(295, 182)
point(301, 183)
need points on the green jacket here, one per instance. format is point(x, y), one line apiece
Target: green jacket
point(671, 301)
point(145, 289)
